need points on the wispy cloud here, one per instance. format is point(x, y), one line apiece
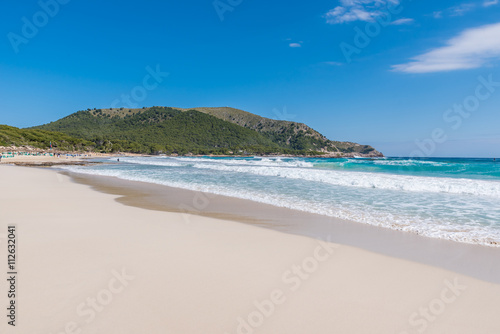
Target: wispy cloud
point(488, 3)
point(437, 15)
point(402, 21)
point(464, 8)
point(333, 63)
point(460, 10)
point(295, 45)
point(472, 48)
point(358, 10)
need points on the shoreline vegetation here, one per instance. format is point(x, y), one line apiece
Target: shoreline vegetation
point(180, 132)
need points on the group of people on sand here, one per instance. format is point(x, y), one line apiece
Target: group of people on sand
point(14, 154)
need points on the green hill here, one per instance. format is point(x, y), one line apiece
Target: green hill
point(11, 136)
point(292, 135)
point(161, 130)
point(197, 131)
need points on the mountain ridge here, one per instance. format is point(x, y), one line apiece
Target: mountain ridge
point(201, 130)
point(263, 124)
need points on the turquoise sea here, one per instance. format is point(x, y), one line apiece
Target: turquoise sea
point(449, 198)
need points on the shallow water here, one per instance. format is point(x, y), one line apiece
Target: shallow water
point(454, 199)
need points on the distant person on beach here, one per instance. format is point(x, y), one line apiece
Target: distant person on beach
point(0, 157)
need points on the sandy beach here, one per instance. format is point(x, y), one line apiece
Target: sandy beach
point(44, 157)
point(472, 260)
point(90, 264)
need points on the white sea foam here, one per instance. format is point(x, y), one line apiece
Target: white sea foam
point(184, 161)
point(372, 180)
point(262, 162)
point(455, 209)
point(152, 162)
point(409, 162)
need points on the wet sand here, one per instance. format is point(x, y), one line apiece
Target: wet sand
point(89, 264)
point(473, 260)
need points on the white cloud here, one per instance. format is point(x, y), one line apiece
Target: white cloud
point(437, 15)
point(358, 10)
point(403, 21)
point(472, 48)
point(333, 63)
point(464, 8)
point(488, 3)
point(461, 9)
point(295, 45)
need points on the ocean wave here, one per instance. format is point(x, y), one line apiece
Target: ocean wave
point(402, 163)
point(372, 180)
point(302, 170)
point(429, 227)
point(152, 162)
point(186, 161)
point(262, 162)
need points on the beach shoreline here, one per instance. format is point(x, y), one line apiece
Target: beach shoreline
point(186, 273)
point(473, 260)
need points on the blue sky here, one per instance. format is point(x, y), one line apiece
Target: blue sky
point(409, 87)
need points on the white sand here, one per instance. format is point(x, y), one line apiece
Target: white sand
point(41, 158)
point(199, 275)
point(48, 158)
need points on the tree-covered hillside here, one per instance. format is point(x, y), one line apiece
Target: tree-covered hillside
point(198, 131)
point(162, 130)
point(11, 136)
point(291, 135)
